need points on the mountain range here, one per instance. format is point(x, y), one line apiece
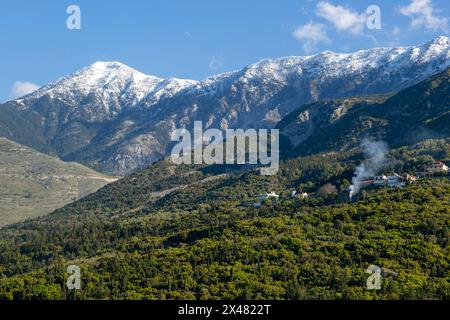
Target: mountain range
point(117, 120)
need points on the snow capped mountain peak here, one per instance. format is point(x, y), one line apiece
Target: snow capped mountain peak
point(328, 64)
point(107, 86)
point(106, 77)
point(93, 78)
point(113, 80)
point(108, 64)
point(435, 47)
point(269, 75)
point(112, 68)
point(441, 40)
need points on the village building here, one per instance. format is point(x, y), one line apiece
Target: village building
point(395, 181)
point(367, 183)
point(302, 195)
point(267, 196)
point(437, 167)
point(411, 179)
point(380, 181)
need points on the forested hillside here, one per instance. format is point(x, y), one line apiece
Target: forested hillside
point(185, 232)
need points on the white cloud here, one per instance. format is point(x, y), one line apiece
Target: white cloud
point(22, 88)
point(216, 63)
point(342, 18)
point(423, 14)
point(310, 35)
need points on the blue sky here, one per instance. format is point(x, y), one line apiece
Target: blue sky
point(197, 38)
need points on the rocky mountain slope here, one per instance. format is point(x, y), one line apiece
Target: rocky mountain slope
point(116, 119)
point(414, 114)
point(33, 184)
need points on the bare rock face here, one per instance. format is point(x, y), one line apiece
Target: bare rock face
point(117, 120)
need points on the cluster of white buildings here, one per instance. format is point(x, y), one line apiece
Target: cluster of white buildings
point(302, 195)
point(267, 196)
point(396, 180)
point(274, 196)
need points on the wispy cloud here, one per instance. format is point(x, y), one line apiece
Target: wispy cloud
point(343, 19)
point(216, 63)
point(22, 88)
point(311, 35)
point(423, 14)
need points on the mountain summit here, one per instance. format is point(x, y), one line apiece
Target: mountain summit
point(104, 89)
point(116, 119)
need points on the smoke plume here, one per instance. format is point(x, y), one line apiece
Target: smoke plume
point(375, 154)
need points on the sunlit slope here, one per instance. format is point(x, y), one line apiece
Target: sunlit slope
point(33, 184)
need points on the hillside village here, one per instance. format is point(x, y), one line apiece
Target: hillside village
point(394, 180)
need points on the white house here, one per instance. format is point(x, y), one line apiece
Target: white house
point(301, 195)
point(380, 181)
point(437, 167)
point(393, 180)
point(396, 181)
point(267, 196)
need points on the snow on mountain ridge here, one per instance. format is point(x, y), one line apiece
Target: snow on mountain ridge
point(113, 82)
point(351, 62)
point(328, 64)
point(110, 87)
point(113, 117)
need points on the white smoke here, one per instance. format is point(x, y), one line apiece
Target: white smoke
point(375, 153)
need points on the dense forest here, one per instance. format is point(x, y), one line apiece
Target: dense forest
point(183, 232)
